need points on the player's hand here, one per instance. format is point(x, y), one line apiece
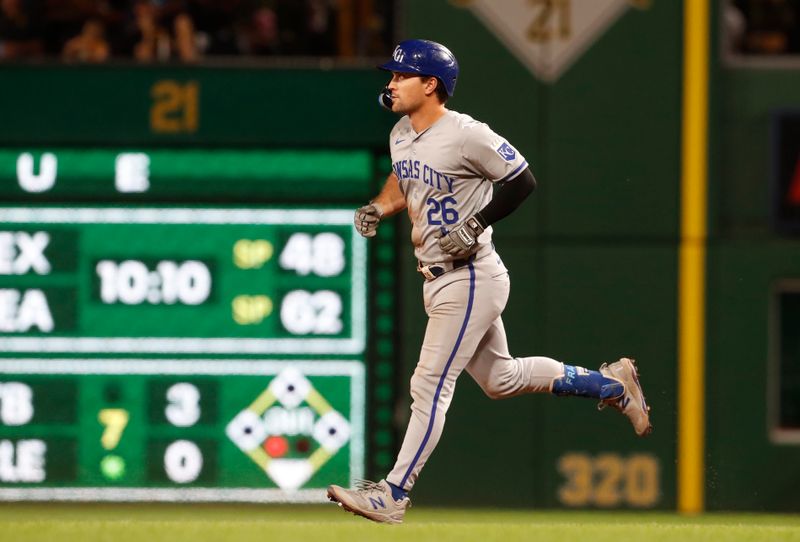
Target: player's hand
point(463, 239)
point(367, 219)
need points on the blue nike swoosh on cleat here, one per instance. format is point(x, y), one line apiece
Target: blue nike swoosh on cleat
point(398, 141)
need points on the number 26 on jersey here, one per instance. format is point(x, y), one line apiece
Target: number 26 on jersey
point(442, 212)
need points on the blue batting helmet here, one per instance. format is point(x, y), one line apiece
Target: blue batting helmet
point(425, 57)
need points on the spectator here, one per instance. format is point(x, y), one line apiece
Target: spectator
point(64, 19)
point(184, 41)
point(88, 46)
point(735, 25)
point(320, 28)
point(165, 32)
point(21, 29)
point(261, 35)
point(770, 24)
point(186, 30)
point(218, 24)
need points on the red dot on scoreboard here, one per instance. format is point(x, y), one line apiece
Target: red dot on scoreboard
point(276, 446)
point(302, 445)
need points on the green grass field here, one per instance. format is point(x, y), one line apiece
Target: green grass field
point(240, 523)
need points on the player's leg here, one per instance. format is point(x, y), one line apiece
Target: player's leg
point(497, 373)
point(500, 376)
point(460, 309)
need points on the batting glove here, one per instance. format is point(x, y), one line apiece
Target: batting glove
point(462, 240)
point(367, 219)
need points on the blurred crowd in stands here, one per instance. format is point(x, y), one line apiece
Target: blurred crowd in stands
point(190, 30)
point(762, 27)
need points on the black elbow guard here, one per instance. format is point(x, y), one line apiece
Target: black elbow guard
point(527, 178)
point(508, 197)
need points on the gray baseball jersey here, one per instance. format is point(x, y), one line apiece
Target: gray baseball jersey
point(446, 175)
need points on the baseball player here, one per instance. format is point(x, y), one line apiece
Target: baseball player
point(445, 165)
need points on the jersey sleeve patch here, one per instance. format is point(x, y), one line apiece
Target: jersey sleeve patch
point(507, 152)
point(489, 154)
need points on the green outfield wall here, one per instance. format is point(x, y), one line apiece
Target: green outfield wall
point(593, 260)
point(753, 268)
point(593, 256)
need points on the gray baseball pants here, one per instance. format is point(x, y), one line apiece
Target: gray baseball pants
point(465, 331)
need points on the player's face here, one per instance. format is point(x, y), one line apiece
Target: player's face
point(408, 92)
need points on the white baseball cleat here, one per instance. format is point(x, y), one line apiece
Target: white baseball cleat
point(631, 402)
point(370, 500)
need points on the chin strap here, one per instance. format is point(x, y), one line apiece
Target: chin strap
point(385, 98)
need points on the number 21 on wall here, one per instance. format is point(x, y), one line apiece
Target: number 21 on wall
point(175, 107)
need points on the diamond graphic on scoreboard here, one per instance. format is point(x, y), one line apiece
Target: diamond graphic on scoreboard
point(290, 431)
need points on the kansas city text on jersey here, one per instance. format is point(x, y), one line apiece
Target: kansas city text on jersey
point(410, 170)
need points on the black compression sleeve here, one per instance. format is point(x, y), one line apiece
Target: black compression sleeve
point(507, 198)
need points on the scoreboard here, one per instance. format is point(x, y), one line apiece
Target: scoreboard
point(181, 280)
point(198, 430)
point(189, 324)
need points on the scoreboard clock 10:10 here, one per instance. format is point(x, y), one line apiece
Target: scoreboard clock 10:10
point(182, 280)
